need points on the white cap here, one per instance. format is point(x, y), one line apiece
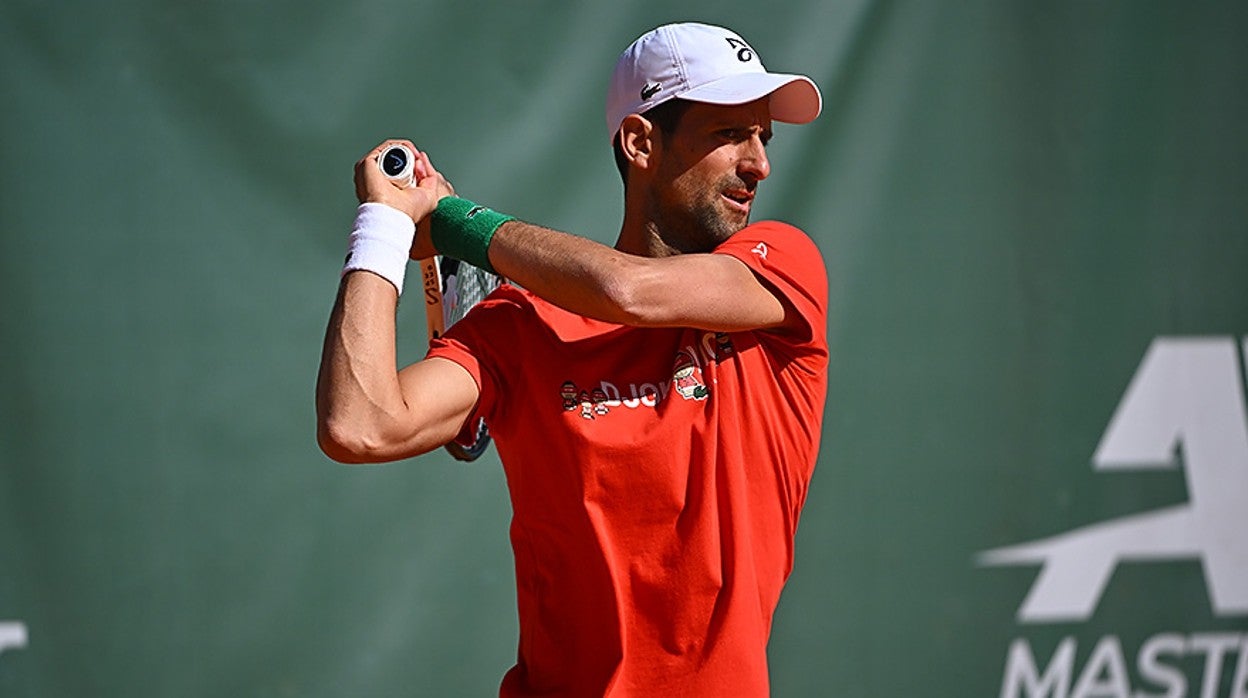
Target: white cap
point(702, 63)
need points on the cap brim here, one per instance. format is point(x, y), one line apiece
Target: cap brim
point(795, 99)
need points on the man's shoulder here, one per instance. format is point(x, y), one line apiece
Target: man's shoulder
point(791, 265)
point(774, 228)
point(505, 305)
point(507, 299)
point(518, 312)
point(779, 247)
point(790, 244)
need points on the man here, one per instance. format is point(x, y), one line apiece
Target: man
point(656, 405)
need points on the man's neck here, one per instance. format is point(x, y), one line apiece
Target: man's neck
point(640, 233)
point(645, 241)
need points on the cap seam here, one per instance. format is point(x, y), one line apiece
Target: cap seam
point(678, 61)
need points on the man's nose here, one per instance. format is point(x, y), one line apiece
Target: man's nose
point(754, 163)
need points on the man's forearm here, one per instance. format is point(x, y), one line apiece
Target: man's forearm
point(578, 274)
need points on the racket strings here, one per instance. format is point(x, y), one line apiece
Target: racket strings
point(463, 287)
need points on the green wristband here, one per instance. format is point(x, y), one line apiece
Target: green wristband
point(463, 230)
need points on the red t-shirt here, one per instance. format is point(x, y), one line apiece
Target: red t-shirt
point(656, 477)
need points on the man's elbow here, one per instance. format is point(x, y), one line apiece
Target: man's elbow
point(353, 442)
point(346, 443)
point(630, 300)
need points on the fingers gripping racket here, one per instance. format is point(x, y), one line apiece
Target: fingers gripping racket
point(452, 287)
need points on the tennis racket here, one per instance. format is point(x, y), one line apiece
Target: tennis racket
point(452, 287)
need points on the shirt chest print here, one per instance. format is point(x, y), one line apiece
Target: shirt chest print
point(687, 380)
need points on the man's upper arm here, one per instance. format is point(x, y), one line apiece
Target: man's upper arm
point(440, 395)
point(706, 291)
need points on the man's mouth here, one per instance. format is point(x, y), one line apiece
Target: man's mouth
point(740, 197)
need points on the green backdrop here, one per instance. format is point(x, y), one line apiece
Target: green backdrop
point(1016, 201)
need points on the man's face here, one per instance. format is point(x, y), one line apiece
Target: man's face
point(708, 173)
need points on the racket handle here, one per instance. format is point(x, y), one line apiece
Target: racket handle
point(398, 163)
point(431, 276)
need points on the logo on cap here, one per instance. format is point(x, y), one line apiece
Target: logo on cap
point(649, 90)
point(745, 54)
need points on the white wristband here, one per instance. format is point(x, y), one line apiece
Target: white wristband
point(380, 242)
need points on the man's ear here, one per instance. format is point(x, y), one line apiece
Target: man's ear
point(639, 141)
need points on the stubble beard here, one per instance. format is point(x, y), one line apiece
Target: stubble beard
point(702, 224)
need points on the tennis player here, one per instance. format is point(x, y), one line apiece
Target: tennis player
point(656, 405)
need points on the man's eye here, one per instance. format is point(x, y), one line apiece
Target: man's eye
point(736, 135)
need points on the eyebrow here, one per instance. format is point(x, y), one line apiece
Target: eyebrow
point(765, 133)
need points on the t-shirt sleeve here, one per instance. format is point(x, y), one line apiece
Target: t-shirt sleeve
point(477, 343)
point(788, 261)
